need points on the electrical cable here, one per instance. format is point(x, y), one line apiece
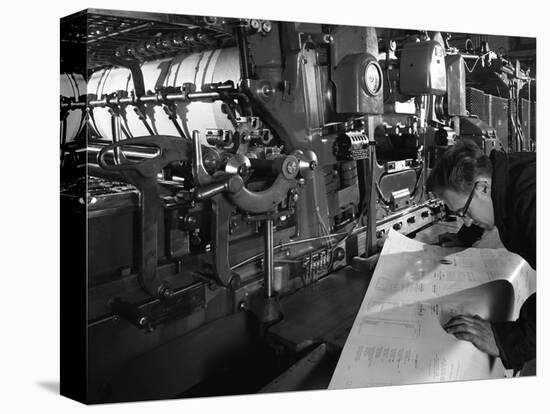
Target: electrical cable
point(323, 227)
point(475, 63)
point(381, 195)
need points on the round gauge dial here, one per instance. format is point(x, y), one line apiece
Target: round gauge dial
point(373, 78)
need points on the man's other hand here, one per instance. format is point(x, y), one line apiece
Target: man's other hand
point(449, 240)
point(474, 329)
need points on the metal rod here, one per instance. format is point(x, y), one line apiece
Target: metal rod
point(288, 244)
point(115, 132)
point(194, 96)
point(141, 99)
point(268, 257)
point(178, 127)
point(468, 56)
point(149, 303)
point(242, 44)
point(73, 105)
point(131, 153)
point(143, 117)
point(119, 32)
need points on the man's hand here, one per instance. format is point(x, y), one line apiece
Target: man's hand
point(449, 240)
point(475, 330)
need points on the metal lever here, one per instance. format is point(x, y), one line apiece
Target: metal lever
point(231, 184)
point(200, 175)
point(170, 149)
point(143, 174)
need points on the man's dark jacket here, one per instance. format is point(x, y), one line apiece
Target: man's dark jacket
point(513, 191)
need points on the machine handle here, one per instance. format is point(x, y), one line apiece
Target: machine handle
point(232, 184)
point(170, 149)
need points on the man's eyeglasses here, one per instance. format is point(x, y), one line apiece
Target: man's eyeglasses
point(464, 210)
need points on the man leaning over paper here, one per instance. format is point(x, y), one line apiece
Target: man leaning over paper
point(487, 191)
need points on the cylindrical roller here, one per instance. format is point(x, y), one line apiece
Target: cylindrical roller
point(210, 66)
point(108, 81)
point(72, 86)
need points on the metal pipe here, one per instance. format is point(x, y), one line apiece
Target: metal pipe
point(142, 99)
point(98, 102)
point(73, 105)
point(193, 96)
point(467, 56)
point(268, 257)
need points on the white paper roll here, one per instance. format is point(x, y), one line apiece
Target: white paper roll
point(72, 85)
point(210, 66)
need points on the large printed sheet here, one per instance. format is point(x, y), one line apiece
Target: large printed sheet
point(397, 336)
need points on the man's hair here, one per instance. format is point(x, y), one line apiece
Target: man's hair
point(458, 168)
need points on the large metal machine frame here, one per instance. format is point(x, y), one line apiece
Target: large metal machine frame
point(236, 179)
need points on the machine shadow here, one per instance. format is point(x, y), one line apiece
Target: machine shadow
point(50, 386)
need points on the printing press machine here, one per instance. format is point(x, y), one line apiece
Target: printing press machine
point(236, 179)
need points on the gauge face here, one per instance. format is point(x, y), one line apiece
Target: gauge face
point(372, 78)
